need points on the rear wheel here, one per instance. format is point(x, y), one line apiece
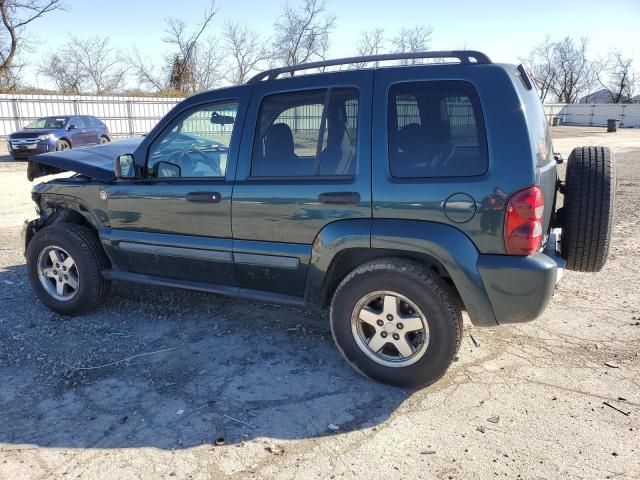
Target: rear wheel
point(588, 208)
point(104, 140)
point(64, 264)
point(397, 322)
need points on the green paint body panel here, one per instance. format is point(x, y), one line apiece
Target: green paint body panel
point(272, 238)
point(519, 288)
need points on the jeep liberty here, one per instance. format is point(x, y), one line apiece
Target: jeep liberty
point(396, 196)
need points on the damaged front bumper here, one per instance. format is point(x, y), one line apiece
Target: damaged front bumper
point(29, 229)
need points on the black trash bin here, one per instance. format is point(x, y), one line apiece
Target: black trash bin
point(612, 124)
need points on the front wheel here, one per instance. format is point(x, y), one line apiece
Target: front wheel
point(64, 266)
point(63, 145)
point(397, 322)
point(104, 140)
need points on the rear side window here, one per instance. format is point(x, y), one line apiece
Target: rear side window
point(79, 122)
point(97, 122)
point(436, 129)
point(306, 134)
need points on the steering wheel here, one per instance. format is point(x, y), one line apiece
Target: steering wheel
point(184, 159)
point(178, 158)
point(206, 161)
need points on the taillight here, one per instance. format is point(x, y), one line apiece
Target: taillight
point(523, 222)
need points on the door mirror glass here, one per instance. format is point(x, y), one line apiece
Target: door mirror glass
point(125, 167)
point(167, 169)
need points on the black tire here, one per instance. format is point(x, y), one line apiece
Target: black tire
point(422, 287)
point(63, 144)
point(588, 208)
point(103, 140)
point(83, 245)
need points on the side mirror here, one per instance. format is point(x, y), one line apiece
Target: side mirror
point(71, 127)
point(167, 169)
point(125, 167)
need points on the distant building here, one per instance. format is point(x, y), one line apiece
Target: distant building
point(604, 96)
point(601, 96)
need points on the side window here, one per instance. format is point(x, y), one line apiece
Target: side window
point(436, 129)
point(76, 122)
point(195, 145)
point(306, 134)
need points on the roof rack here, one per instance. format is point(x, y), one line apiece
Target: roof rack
point(465, 56)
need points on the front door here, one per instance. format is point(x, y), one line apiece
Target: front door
point(175, 222)
point(304, 163)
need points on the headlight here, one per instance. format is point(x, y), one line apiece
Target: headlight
point(45, 137)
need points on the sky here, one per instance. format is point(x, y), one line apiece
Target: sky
point(505, 30)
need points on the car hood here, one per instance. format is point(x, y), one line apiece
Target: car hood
point(96, 162)
point(33, 132)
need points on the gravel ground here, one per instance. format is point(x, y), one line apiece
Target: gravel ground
point(146, 385)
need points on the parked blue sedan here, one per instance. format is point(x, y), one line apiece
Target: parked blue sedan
point(48, 134)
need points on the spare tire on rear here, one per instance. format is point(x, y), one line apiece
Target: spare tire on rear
point(587, 215)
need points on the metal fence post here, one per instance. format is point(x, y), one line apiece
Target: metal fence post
point(130, 118)
point(624, 106)
point(75, 106)
point(593, 111)
point(16, 113)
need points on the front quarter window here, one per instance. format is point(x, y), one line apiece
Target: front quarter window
point(195, 145)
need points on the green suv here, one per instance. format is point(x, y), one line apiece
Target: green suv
point(396, 196)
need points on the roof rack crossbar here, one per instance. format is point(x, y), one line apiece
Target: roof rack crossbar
point(465, 56)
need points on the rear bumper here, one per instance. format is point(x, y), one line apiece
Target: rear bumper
point(519, 288)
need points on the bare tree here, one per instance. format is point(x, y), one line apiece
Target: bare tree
point(371, 42)
point(411, 40)
point(16, 15)
point(562, 69)
point(208, 65)
point(192, 64)
point(574, 73)
point(246, 48)
point(618, 76)
point(541, 66)
point(302, 34)
point(85, 65)
point(68, 77)
point(145, 71)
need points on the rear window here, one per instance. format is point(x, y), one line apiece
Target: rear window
point(436, 129)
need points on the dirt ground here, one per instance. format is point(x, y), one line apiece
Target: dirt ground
point(527, 402)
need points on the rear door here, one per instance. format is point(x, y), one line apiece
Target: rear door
point(304, 163)
point(91, 130)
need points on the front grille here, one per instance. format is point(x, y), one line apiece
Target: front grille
point(23, 141)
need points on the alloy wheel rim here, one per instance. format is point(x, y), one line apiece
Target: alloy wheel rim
point(58, 273)
point(390, 329)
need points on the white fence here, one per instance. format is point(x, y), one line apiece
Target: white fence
point(126, 116)
point(594, 114)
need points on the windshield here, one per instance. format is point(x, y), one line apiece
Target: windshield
point(48, 122)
